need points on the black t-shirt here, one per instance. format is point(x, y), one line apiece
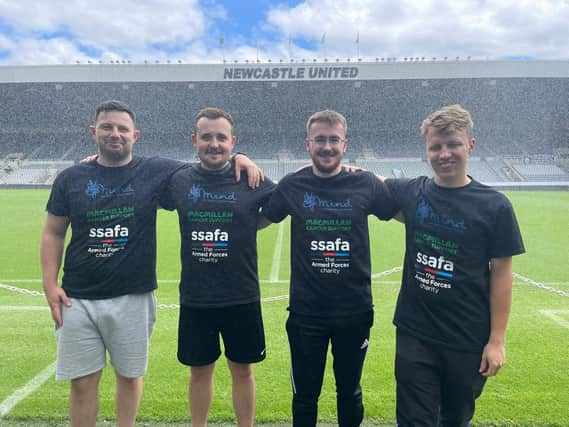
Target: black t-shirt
point(330, 262)
point(451, 236)
point(218, 225)
point(112, 212)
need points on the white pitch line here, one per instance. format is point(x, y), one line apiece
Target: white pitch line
point(20, 394)
point(275, 269)
point(553, 315)
point(23, 308)
point(540, 285)
point(21, 290)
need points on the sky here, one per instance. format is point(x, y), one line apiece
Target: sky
point(210, 31)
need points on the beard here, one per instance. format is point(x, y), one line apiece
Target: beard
point(329, 166)
point(114, 156)
point(211, 164)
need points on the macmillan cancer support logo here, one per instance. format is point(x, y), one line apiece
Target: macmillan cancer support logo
point(94, 190)
point(426, 214)
point(312, 201)
point(197, 192)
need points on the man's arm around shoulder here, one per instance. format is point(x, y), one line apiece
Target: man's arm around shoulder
point(51, 254)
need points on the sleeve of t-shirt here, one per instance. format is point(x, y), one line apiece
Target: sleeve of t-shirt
point(266, 190)
point(276, 209)
point(397, 188)
point(167, 195)
point(384, 205)
point(57, 203)
point(507, 236)
point(167, 169)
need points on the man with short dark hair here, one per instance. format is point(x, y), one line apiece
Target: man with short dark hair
point(330, 286)
point(106, 301)
point(219, 287)
point(456, 290)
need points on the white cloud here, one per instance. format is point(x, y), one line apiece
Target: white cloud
point(121, 25)
point(63, 31)
point(431, 28)
point(54, 51)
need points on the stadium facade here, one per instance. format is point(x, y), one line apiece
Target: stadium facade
point(520, 110)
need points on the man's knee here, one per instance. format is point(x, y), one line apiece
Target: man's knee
point(240, 371)
point(202, 373)
point(87, 385)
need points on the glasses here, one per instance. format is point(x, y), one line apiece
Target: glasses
point(321, 140)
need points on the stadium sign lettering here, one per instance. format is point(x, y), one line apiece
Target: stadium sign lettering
point(290, 73)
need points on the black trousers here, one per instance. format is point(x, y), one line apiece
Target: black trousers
point(435, 386)
point(309, 338)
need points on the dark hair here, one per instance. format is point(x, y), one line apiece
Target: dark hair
point(114, 105)
point(213, 113)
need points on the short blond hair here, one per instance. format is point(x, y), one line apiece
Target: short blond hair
point(330, 117)
point(449, 119)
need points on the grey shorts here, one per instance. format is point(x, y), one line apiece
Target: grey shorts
point(122, 326)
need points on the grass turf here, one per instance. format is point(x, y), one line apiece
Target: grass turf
point(531, 389)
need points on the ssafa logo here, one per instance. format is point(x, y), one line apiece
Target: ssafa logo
point(426, 214)
point(211, 239)
point(337, 248)
point(116, 234)
point(439, 266)
point(94, 189)
point(312, 201)
point(197, 192)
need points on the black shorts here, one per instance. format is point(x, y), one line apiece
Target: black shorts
point(241, 327)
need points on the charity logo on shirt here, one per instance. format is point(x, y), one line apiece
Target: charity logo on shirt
point(197, 193)
point(433, 261)
point(330, 256)
point(314, 202)
point(426, 214)
point(94, 190)
point(104, 242)
point(210, 245)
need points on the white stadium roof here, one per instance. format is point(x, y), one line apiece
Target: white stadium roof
point(380, 70)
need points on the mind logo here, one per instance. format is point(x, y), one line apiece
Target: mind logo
point(310, 201)
point(93, 189)
point(195, 192)
point(426, 214)
point(422, 212)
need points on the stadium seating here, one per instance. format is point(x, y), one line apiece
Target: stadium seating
point(523, 116)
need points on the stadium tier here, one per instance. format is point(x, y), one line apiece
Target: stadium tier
point(520, 108)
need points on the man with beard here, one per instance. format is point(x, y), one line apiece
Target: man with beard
point(219, 287)
point(330, 286)
point(106, 301)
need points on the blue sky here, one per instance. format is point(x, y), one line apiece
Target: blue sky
point(67, 31)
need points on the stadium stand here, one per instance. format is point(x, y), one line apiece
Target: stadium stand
point(515, 114)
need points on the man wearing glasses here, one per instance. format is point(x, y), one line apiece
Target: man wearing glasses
point(330, 285)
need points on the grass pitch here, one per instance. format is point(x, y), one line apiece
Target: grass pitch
point(531, 389)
